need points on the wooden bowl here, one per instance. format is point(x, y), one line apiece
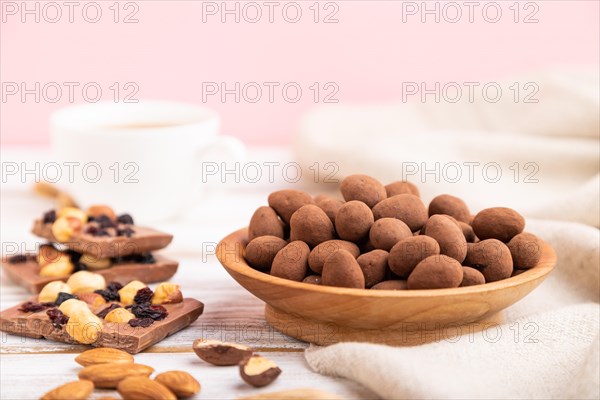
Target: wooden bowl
point(326, 314)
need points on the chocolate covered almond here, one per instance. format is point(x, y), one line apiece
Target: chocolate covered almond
point(386, 232)
point(363, 188)
point(353, 221)
point(401, 187)
point(436, 272)
point(291, 262)
point(321, 252)
point(329, 205)
point(311, 225)
point(492, 258)
point(312, 279)
point(265, 222)
point(374, 266)
point(526, 250)
point(446, 231)
point(342, 270)
point(286, 202)
point(408, 208)
point(407, 253)
point(472, 277)
point(498, 223)
point(450, 205)
point(261, 251)
point(394, 284)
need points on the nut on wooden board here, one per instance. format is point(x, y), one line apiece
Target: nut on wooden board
point(259, 371)
point(221, 353)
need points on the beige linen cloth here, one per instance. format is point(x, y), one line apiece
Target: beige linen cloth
point(556, 352)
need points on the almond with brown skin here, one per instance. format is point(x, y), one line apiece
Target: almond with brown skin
point(144, 388)
point(179, 382)
point(77, 390)
point(259, 371)
point(103, 355)
point(109, 375)
point(221, 353)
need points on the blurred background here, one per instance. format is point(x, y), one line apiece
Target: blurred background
point(496, 101)
point(179, 50)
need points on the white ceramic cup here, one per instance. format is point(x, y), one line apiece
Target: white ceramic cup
point(142, 158)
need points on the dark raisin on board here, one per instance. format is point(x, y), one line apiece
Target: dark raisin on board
point(105, 222)
point(102, 232)
point(143, 296)
point(62, 297)
point(79, 267)
point(31, 306)
point(18, 259)
point(92, 229)
point(74, 256)
point(111, 293)
point(145, 258)
point(125, 219)
point(104, 312)
point(141, 322)
point(49, 217)
point(57, 317)
point(126, 231)
point(146, 310)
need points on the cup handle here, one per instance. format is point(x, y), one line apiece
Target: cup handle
point(233, 147)
point(231, 150)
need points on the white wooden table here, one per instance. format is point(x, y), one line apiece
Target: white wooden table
point(30, 367)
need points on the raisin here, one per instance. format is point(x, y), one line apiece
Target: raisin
point(102, 314)
point(144, 295)
point(147, 311)
point(105, 222)
point(62, 297)
point(74, 256)
point(31, 306)
point(57, 318)
point(92, 230)
point(114, 286)
point(127, 232)
point(17, 259)
point(145, 258)
point(49, 217)
point(142, 322)
point(125, 219)
point(79, 267)
point(111, 293)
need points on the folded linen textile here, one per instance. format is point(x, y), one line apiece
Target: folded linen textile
point(496, 365)
point(540, 158)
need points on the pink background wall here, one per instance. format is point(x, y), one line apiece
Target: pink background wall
point(170, 51)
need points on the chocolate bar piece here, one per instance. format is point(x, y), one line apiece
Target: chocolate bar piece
point(139, 240)
point(120, 336)
point(26, 271)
